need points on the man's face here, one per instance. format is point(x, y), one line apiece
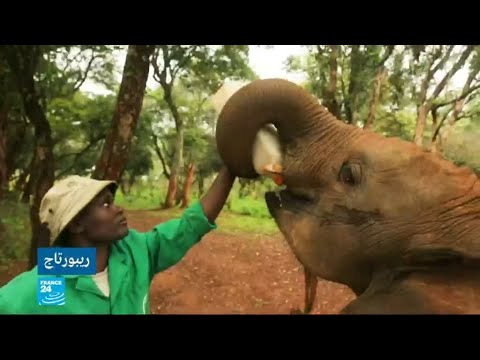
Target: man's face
point(101, 221)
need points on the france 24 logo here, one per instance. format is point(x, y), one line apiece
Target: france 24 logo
point(51, 291)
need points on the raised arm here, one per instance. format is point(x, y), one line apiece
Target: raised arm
point(170, 241)
point(214, 200)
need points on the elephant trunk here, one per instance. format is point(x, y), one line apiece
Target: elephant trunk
point(294, 112)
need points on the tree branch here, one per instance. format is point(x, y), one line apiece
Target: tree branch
point(462, 96)
point(468, 115)
point(434, 116)
point(169, 154)
point(68, 62)
point(156, 69)
point(431, 72)
point(79, 154)
point(387, 55)
point(160, 155)
point(166, 66)
point(459, 103)
point(444, 59)
point(84, 76)
point(460, 62)
point(182, 62)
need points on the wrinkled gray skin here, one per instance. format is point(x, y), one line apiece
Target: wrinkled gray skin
point(399, 226)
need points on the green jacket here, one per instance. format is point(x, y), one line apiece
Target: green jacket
point(133, 263)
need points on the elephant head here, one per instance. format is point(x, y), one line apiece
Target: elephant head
point(396, 224)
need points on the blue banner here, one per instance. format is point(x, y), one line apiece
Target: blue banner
point(67, 261)
point(51, 291)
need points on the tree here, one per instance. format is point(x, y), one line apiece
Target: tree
point(13, 125)
point(455, 106)
point(40, 74)
point(199, 147)
point(339, 75)
point(380, 78)
point(115, 152)
point(23, 61)
point(195, 66)
point(433, 61)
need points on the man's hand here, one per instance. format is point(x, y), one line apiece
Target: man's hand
point(214, 200)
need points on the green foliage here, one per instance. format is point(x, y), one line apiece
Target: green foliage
point(142, 196)
point(211, 66)
point(462, 145)
point(78, 123)
point(356, 69)
point(63, 69)
point(397, 80)
point(398, 124)
point(203, 66)
point(234, 223)
point(15, 232)
point(251, 207)
point(199, 118)
point(87, 118)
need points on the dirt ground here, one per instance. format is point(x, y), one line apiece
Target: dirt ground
point(231, 274)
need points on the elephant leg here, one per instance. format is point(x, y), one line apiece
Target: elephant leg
point(311, 282)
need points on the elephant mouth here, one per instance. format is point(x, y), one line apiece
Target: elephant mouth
point(288, 199)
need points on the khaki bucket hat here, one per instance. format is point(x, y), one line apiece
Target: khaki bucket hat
point(66, 198)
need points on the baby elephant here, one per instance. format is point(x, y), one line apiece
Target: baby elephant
point(398, 225)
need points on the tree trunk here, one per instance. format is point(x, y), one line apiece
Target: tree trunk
point(115, 152)
point(175, 169)
point(122, 184)
point(331, 102)
point(178, 154)
point(22, 180)
point(201, 185)
point(377, 88)
point(167, 86)
point(28, 187)
point(436, 146)
point(43, 176)
point(179, 193)
point(421, 123)
point(3, 151)
point(188, 185)
point(157, 149)
point(440, 138)
point(353, 87)
point(22, 61)
point(172, 189)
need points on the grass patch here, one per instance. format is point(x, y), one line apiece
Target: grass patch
point(229, 222)
point(249, 206)
point(140, 198)
point(240, 215)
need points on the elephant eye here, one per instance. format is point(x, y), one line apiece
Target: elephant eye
point(350, 174)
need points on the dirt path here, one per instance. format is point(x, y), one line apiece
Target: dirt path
point(231, 274)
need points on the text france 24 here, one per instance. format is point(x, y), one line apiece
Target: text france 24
point(53, 263)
